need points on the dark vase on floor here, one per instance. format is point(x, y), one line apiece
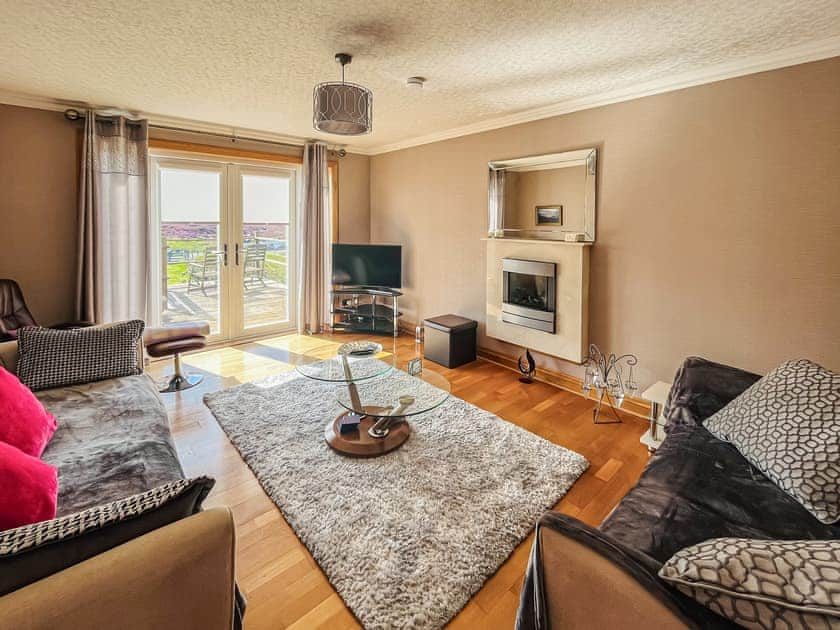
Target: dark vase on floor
point(528, 367)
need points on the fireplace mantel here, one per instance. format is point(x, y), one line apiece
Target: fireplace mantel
point(570, 339)
point(541, 241)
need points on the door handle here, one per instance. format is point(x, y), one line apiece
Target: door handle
point(236, 250)
point(225, 255)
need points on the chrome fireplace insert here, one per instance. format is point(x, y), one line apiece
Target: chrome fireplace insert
point(528, 293)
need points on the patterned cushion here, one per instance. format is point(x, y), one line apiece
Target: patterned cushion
point(32, 552)
point(788, 426)
point(58, 358)
point(762, 583)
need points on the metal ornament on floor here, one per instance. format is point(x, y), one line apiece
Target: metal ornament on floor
point(528, 368)
point(606, 376)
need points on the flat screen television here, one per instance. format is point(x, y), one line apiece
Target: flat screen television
point(367, 265)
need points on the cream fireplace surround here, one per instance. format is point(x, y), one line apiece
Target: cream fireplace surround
point(570, 338)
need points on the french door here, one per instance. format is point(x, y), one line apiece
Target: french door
point(226, 241)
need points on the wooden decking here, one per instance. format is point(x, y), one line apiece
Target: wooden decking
point(264, 304)
point(284, 586)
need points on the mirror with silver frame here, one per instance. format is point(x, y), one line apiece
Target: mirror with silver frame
point(550, 197)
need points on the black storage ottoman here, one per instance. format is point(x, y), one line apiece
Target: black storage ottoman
point(449, 340)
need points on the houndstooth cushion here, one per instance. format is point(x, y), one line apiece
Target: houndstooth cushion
point(762, 583)
point(20, 539)
point(32, 552)
point(57, 358)
point(788, 426)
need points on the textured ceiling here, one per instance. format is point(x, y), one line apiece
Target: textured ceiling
point(253, 63)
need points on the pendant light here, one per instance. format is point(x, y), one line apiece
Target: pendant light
point(342, 108)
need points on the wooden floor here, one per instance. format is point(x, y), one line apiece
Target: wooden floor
point(283, 584)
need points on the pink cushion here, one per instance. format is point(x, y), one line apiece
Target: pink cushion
point(28, 488)
point(24, 423)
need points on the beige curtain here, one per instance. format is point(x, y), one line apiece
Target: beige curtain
point(113, 252)
point(315, 277)
point(496, 203)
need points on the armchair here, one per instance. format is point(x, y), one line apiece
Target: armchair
point(14, 313)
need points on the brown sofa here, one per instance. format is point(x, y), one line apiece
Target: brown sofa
point(694, 488)
point(113, 440)
point(178, 576)
point(576, 581)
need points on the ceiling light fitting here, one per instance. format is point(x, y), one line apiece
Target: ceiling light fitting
point(415, 82)
point(342, 108)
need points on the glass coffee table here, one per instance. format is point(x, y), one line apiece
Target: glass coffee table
point(335, 369)
point(378, 398)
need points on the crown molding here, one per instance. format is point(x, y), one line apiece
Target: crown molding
point(175, 123)
point(813, 51)
point(157, 120)
point(19, 99)
point(198, 126)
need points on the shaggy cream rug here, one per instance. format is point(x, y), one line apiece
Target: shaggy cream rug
point(407, 538)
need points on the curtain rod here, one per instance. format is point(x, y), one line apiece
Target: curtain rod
point(74, 115)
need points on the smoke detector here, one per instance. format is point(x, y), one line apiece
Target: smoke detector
point(415, 82)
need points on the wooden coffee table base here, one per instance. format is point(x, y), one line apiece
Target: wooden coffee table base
point(359, 443)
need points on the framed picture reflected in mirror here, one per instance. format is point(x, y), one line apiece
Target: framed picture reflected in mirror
point(549, 215)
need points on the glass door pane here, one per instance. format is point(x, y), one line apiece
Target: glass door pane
point(191, 237)
point(265, 256)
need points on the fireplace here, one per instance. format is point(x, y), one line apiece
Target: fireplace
point(528, 293)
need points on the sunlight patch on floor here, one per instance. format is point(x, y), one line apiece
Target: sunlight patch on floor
point(237, 364)
point(254, 361)
point(300, 344)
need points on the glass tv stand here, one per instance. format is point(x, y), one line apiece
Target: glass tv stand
point(371, 310)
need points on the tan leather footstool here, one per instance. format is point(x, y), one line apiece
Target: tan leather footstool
point(172, 340)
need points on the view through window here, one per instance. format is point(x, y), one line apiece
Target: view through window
point(225, 249)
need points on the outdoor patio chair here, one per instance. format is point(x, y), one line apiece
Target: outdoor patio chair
point(254, 263)
point(205, 272)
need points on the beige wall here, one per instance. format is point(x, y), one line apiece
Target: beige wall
point(526, 190)
point(718, 219)
point(354, 199)
point(38, 189)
